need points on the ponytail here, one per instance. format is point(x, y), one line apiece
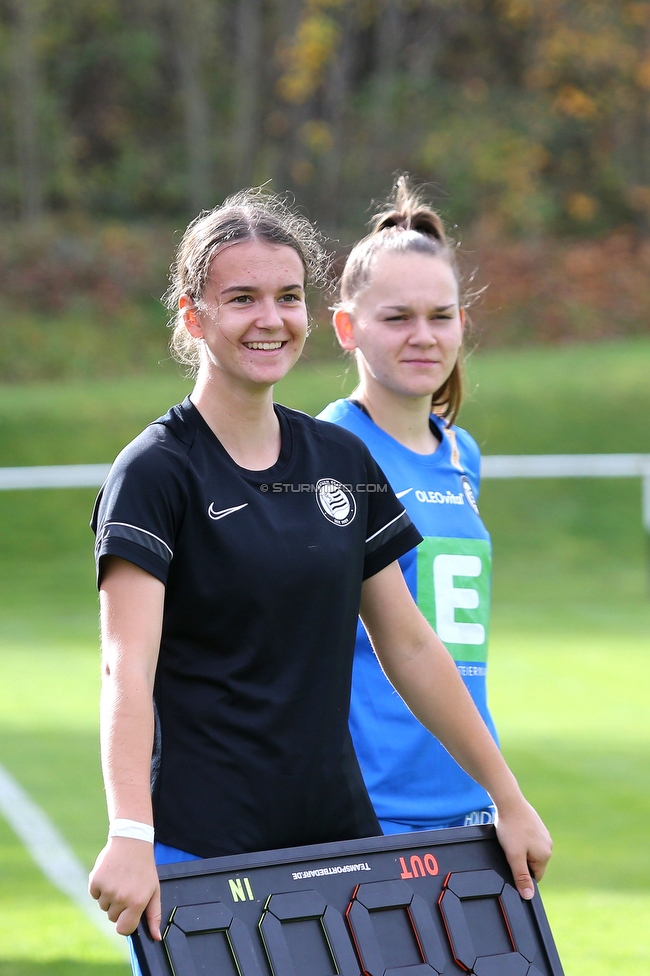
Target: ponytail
point(406, 211)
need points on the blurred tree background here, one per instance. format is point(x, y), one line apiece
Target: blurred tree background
point(120, 119)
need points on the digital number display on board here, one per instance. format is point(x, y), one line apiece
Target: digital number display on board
point(435, 903)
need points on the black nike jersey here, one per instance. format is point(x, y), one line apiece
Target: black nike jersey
point(263, 573)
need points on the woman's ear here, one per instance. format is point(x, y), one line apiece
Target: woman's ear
point(344, 328)
point(461, 314)
point(187, 309)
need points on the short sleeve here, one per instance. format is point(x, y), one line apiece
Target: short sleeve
point(141, 504)
point(390, 532)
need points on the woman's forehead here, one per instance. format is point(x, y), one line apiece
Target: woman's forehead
point(411, 273)
point(257, 259)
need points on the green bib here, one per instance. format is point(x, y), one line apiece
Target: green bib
point(454, 593)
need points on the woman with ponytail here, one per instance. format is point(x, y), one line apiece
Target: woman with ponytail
point(401, 314)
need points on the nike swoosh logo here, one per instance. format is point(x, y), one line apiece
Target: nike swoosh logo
point(224, 511)
point(400, 494)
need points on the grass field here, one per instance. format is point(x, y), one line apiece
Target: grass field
point(570, 643)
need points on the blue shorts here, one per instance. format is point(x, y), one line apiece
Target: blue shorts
point(485, 816)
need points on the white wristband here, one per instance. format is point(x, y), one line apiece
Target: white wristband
point(130, 828)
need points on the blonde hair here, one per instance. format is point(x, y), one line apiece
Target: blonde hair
point(244, 216)
point(406, 224)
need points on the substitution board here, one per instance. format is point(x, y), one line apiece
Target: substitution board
point(434, 903)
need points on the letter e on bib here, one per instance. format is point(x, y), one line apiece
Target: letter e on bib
point(454, 593)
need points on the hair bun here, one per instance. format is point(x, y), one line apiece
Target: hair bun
point(407, 211)
point(393, 219)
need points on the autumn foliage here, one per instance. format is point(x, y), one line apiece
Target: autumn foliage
point(530, 116)
point(529, 121)
point(559, 291)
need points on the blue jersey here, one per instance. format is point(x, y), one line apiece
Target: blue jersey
point(411, 778)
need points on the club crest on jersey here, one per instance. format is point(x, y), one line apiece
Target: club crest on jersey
point(469, 494)
point(335, 501)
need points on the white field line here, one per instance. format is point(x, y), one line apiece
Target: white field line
point(565, 466)
point(574, 466)
point(492, 466)
point(54, 476)
point(52, 853)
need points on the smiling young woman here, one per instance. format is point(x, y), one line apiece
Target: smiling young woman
point(252, 321)
point(228, 612)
